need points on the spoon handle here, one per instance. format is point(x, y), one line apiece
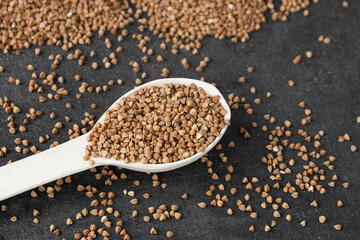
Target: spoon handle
point(38, 169)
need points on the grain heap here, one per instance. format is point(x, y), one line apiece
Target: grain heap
point(186, 23)
point(158, 125)
point(193, 20)
point(63, 23)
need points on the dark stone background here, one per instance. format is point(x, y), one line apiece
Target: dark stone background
point(328, 83)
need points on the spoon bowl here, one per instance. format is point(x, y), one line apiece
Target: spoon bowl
point(154, 168)
point(67, 158)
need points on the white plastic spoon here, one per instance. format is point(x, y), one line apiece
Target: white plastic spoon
point(67, 158)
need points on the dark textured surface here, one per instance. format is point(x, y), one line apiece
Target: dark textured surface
point(328, 83)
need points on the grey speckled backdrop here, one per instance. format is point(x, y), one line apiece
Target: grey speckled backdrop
point(328, 83)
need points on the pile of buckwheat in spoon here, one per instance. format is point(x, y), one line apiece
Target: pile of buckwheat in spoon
point(158, 125)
